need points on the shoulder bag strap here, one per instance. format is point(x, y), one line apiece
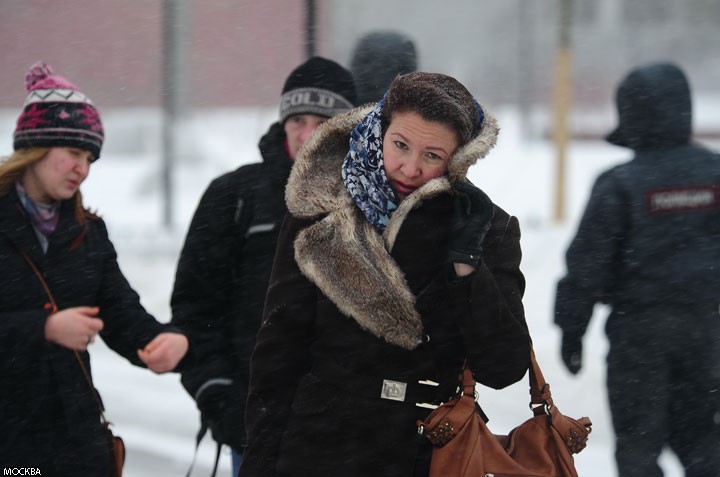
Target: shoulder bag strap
point(540, 395)
point(54, 309)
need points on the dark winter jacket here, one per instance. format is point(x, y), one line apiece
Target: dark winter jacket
point(48, 415)
point(222, 277)
point(346, 321)
point(650, 234)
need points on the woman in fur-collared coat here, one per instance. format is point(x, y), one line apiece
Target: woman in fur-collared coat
point(391, 270)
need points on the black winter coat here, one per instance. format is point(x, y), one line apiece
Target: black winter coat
point(650, 235)
point(347, 322)
point(222, 276)
point(49, 418)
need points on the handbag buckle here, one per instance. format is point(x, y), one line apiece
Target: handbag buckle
point(546, 407)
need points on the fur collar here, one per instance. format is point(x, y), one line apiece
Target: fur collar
point(342, 253)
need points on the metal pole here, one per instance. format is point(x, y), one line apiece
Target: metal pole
point(562, 98)
point(525, 68)
point(310, 28)
point(173, 24)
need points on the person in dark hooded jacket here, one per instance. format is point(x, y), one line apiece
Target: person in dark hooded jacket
point(648, 245)
point(391, 271)
point(224, 267)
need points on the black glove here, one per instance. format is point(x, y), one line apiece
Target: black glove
point(222, 408)
point(571, 352)
point(472, 213)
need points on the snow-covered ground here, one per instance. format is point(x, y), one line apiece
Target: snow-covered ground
point(153, 413)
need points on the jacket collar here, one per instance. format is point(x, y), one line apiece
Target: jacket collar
point(342, 253)
point(16, 226)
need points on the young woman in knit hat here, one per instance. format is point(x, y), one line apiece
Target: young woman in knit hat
point(60, 288)
point(391, 270)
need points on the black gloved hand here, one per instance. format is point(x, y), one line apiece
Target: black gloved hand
point(571, 352)
point(222, 407)
point(229, 428)
point(472, 214)
point(213, 399)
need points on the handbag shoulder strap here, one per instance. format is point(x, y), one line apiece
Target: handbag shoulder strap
point(54, 309)
point(468, 382)
point(540, 395)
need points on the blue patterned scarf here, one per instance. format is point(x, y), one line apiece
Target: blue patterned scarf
point(363, 171)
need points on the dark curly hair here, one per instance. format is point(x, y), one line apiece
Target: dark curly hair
point(435, 97)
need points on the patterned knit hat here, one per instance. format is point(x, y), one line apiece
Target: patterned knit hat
point(318, 86)
point(57, 114)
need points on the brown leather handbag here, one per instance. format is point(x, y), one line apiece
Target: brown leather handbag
point(542, 446)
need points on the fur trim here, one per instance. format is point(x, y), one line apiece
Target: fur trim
point(343, 254)
point(475, 150)
point(431, 189)
point(315, 186)
point(345, 257)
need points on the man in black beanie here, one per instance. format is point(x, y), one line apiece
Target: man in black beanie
point(225, 264)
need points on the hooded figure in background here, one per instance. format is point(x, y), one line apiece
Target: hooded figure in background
point(378, 57)
point(648, 245)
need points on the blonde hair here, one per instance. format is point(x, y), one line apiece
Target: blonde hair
point(14, 166)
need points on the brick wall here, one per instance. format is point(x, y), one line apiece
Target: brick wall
point(238, 52)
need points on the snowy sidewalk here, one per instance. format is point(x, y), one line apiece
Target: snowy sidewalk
point(158, 420)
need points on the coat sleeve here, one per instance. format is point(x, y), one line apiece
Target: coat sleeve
point(592, 257)
point(205, 284)
point(281, 356)
point(490, 310)
point(128, 326)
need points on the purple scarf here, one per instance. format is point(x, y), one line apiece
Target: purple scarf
point(44, 216)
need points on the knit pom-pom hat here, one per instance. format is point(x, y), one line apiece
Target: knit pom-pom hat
point(57, 114)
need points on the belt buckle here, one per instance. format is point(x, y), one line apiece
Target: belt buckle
point(393, 390)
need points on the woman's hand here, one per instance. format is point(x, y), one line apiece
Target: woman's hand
point(164, 352)
point(472, 215)
point(463, 269)
point(73, 328)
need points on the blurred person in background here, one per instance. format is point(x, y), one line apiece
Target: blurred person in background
point(224, 267)
point(648, 245)
point(391, 270)
point(378, 57)
point(50, 419)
